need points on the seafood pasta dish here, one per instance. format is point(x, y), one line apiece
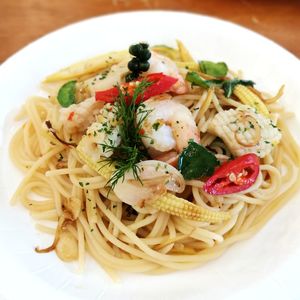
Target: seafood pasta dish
point(151, 161)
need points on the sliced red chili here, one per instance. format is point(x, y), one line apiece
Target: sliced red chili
point(234, 176)
point(160, 84)
point(71, 115)
point(108, 96)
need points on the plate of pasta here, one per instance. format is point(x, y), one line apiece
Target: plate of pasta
point(160, 162)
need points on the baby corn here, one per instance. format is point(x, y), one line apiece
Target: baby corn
point(88, 66)
point(180, 207)
point(247, 97)
point(167, 51)
point(184, 53)
point(104, 168)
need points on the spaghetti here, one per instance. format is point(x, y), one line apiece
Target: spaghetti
point(90, 217)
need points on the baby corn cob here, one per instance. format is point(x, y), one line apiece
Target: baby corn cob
point(190, 65)
point(176, 206)
point(88, 66)
point(184, 53)
point(167, 51)
point(102, 167)
point(249, 98)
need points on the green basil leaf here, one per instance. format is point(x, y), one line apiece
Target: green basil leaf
point(195, 79)
point(195, 161)
point(229, 85)
point(66, 94)
point(219, 69)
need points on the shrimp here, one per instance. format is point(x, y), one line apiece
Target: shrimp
point(162, 64)
point(168, 127)
point(156, 178)
point(102, 135)
point(77, 117)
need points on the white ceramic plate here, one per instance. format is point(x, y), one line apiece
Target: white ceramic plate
point(267, 265)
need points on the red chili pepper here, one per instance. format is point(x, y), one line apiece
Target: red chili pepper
point(160, 84)
point(234, 176)
point(108, 96)
point(71, 115)
point(142, 131)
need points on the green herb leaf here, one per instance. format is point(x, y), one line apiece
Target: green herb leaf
point(103, 75)
point(195, 161)
point(195, 79)
point(219, 69)
point(155, 126)
point(66, 94)
point(229, 85)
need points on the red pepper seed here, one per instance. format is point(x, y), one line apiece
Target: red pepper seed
point(71, 115)
point(234, 176)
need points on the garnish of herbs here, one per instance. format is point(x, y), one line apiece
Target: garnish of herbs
point(131, 151)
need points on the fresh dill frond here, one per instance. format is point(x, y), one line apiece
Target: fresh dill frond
point(130, 113)
point(124, 165)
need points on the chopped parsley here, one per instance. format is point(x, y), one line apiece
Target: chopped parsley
point(155, 126)
point(104, 75)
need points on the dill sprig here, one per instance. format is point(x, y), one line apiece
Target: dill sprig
point(130, 112)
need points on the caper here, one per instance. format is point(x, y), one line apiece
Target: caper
point(136, 49)
point(144, 55)
point(134, 65)
point(139, 63)
point(144, 66)
point(144, 45)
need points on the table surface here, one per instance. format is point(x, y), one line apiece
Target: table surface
point(22, 21)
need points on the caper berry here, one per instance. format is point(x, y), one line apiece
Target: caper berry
point(134, 65)
point(139, 63)
point(136, 49)
point(144, 45)
point(144, 66)
point(144, 55)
